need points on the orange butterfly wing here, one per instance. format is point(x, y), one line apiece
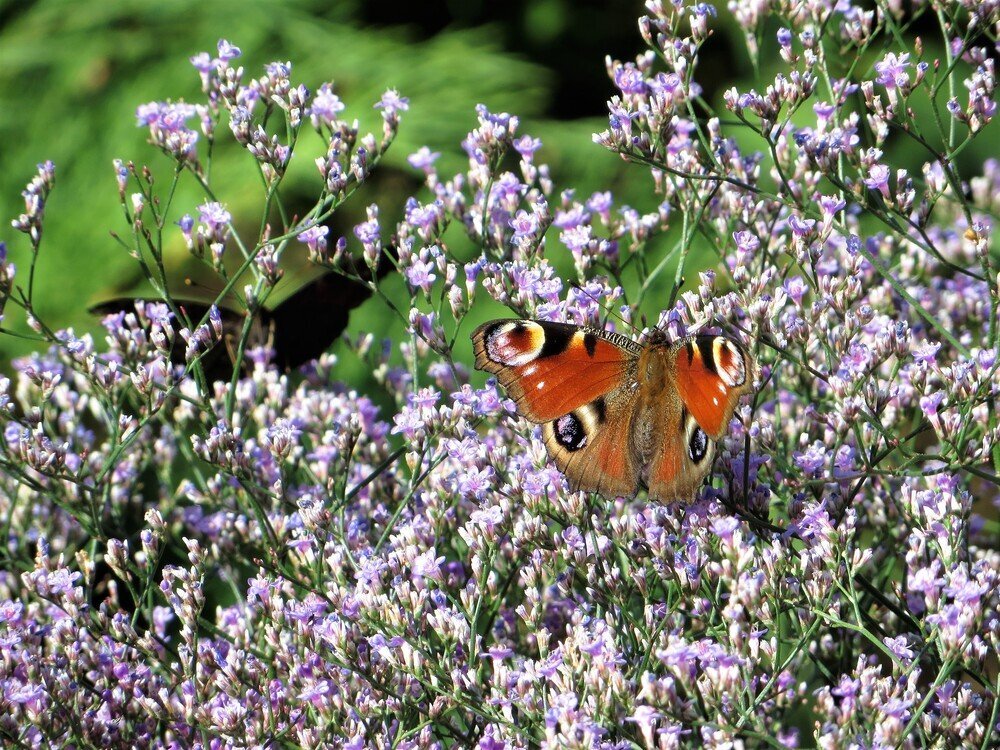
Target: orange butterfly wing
point(581, 384)
point(682, 458)
point(615, 413)
point(550, 369)
point(590, 445)
point(711, 373)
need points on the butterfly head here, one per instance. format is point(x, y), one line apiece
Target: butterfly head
point(657, 337)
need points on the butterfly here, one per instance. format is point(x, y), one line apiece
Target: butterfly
point(617, 414)
point(299, 329)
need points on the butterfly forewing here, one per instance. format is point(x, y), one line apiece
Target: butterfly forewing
point(713, 372)
point(550, 369)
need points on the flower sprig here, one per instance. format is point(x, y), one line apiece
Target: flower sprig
point(286, 556)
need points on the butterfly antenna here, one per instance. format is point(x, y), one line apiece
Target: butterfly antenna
point(294, 277)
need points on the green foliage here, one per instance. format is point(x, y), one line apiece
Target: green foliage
point(72, 74)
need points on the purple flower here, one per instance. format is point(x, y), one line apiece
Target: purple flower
point(891, 70)
point(423, 217)
point(878, 179)
point(281, 438)
point(368, 232)
point(926, 352)
point(856, 361)
point(27, 694)
point(204, 62)
point(578, 237)
point(391, 105)
point(498, 653)
point(824, 111)
point(746, 241)
point(968, 592)
point(525, 225)
point(899, 648)
point(10, 611)
point(326, 106)
point(526, 146)
point(831, 204)
point(681, 658)
point(278, 71)
point(215, 217)
point(423, 159)
point(645, 717)
point(420, 274)
point(574, 217)
point(228, 51)
point(314, 236)
point(724, 527)
point(167, 123)
point(620, 118)
point(601, 203)
point(630, 80)
point(796, 288)
point(121, 176)
point(801, 227)
point(488, 517)
point(427, 565)
point(930, 404)
point(61, 581)
point(812, 460)
point(896, 708)
point(475, 482)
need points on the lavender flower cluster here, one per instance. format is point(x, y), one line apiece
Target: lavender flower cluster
point(279, 561)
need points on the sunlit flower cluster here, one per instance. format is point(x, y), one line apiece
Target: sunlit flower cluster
point(279, 557)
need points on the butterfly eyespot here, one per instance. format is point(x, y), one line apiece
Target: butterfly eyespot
point(514, 343)
point(697, 444)
point(728, 361)
point(570, 432)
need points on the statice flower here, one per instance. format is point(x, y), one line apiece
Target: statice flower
point(223, 550)
point(891, 71)
point(168, 128)
point(325, 107)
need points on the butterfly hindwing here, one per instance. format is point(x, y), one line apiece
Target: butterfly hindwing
point(590, 444)
point(550, 369)
point(681, 460)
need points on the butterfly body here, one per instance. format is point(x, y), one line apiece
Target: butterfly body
point(616, 414)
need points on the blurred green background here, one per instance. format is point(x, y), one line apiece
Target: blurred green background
point(72, 73)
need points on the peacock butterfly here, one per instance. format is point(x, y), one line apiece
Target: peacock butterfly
point(616, 414)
